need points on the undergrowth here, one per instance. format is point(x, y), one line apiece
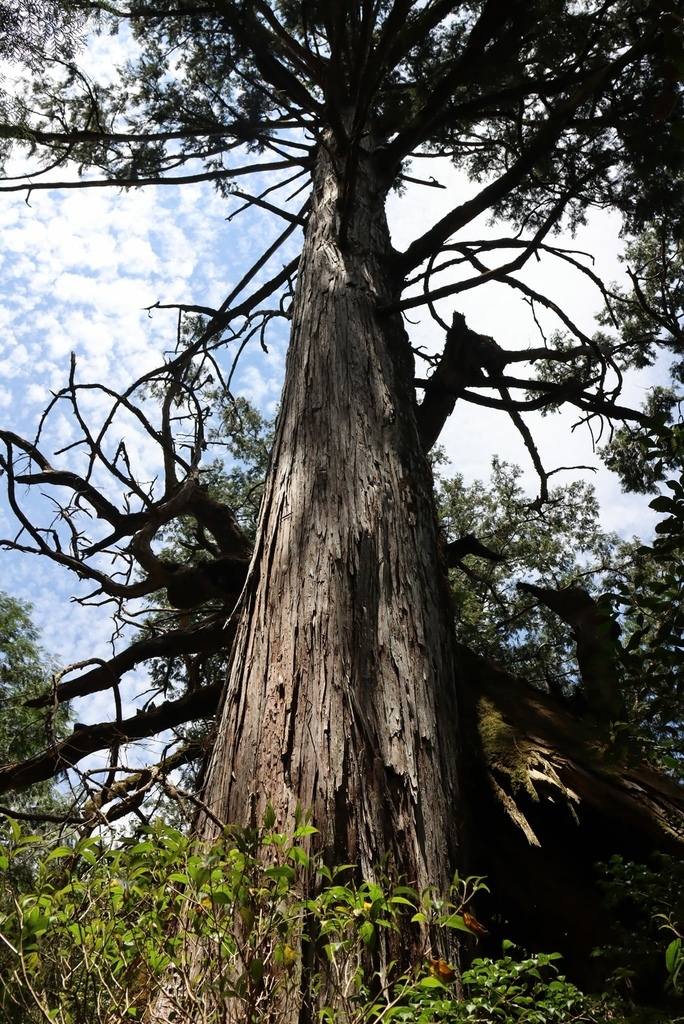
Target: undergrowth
point(245, 929)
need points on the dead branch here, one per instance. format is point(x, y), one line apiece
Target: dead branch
point(206, 637)
point(187, 587)
point(597, 637)
point(467, 359)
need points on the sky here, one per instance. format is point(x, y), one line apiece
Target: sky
point(81, 269)
point(473, 434)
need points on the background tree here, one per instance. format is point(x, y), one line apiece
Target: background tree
point(563, 546)
point(342, 683)
point(35, 30)
point(652, 312)
point(559, 545)
point(246, 436)
point(648, 596)
point(25, 673)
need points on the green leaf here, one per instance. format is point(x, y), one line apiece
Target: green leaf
point(430, 982)
point(60, 851)
point(305, 830)
point(368, 934)
point(456, 921)
point(401, 900)
point(280, 872)
point(256, 970)
point(673, 954)
point(221, 897)
point(269, 817)
point(299, 856)
point(663, 503)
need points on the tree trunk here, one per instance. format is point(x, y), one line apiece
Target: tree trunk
point(341, 693)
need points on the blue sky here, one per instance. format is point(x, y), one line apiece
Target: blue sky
point(80, 268)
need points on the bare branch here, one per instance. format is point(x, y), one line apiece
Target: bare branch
point(465, 361)
point(87, 739)
point(157, 179)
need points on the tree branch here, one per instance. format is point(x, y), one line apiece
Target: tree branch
point(87, 739)
point(541, 142)
point(157, 179)
point(206, 637)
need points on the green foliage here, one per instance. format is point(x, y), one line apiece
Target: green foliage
point(247, 437)
point(628, 453)
point(648, 319)
point(235, 480)
point(105, 922)
point(33, 34)
point(650, 599)
point(25, 671)
point(647, 901)
point(467, 80)
point(36, 30)
point(560, 544)
point(528, 990)
point(237, 925)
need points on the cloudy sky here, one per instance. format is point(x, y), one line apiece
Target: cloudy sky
point(80, 269)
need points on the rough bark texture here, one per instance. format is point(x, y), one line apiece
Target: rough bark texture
point(341, 693)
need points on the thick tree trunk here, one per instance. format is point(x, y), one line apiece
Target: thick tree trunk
point(341, 692)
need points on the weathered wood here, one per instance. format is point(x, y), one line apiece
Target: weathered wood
point(341, 692)
point(549, 795)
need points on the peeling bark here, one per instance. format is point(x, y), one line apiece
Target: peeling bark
point(341, 692)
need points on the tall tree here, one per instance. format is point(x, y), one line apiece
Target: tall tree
point(344, 679)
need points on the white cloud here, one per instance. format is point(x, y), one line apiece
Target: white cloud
point(16, 361)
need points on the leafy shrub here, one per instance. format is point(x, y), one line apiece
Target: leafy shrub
point(244, 929)
point(648, 902)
